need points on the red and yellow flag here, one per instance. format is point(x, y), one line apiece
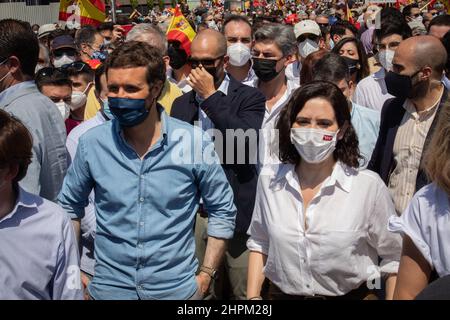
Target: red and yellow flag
point(180, 30)
point(76, 13)
point(280, 4)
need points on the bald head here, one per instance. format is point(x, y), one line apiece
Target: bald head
point(418, 52)
point(209, 41)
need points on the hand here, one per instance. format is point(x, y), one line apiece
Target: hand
point(201, 82)
point(85, 282)
point(118, 32)
point(203, 282)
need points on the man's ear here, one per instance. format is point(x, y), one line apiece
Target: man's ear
point(290, 58)
point(322, 43)
point(226, 60)
point(426, 73)
point(14, 65)
point(166, 60)
point(84, 48)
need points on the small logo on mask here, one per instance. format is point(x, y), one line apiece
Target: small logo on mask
point(327, 138)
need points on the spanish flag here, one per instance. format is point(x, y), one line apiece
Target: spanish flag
point(280, 4)
point(180, 30)
point(76, 13)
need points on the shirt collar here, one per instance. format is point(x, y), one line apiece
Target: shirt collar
point(380, 74)
point(9, 94)
point(409, 106)
point(24, 200)
point(342, 177)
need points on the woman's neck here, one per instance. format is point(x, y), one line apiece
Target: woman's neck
point(312, 174)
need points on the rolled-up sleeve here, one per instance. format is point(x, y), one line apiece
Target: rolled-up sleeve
point(259, 237)
point(217, 194)
point(74, 195)
point(388, 245)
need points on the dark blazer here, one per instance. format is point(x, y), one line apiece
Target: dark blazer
point(242, 108)
point(382, 161)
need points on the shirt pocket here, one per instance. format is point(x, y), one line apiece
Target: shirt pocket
point(339, 256)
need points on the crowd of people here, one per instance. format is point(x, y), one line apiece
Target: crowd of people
point(288, 152)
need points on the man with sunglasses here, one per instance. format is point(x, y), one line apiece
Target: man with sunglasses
point(219, 102)
point(89, 43)
point(20, 96)
point(63, 51)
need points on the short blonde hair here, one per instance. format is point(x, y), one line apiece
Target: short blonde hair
point(437, 158)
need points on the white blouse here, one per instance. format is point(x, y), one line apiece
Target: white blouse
point(427, 222)
point(347, 231)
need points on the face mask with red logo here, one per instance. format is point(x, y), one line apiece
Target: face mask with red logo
point(314, 145)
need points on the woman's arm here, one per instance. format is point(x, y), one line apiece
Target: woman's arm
point(413, 274)
point(390, 286)
point(256, 262)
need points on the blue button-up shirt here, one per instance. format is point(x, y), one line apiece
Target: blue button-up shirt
point(38, 252)
point(145, 209)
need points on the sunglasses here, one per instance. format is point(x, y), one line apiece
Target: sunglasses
point(76, 66)
point(49, 72)
point(308, 36)
point(69, 52)
point(194, 63)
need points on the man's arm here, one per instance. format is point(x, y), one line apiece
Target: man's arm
point(215, 250)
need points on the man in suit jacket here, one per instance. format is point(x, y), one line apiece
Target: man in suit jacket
point(221, 103)
point(408, 121)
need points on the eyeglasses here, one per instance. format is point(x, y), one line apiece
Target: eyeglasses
point(194, 63)
point(49, 72)
point(66, 51)
point(76, 66)
point(323, 25)
point(303, 37)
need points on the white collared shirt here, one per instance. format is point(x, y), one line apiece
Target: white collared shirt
point(371, 92)
point(427, 222)
point(182, 84)
point(206, 122)
point(346, 231)
point(268, 149)
point(251, 77)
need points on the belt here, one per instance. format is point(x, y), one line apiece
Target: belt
point(361, 293)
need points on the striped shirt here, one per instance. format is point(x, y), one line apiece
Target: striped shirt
point(408, 147)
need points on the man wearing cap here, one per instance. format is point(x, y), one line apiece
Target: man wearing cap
point(44, 33)
point(309, 40)
point(63, 51)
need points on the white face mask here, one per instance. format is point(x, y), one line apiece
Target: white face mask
point(385, 57)
point(239, 54)
point(419, 19)
point(212, 25)
point(64, 109)
point(38, 67)
point(307, 47)
point(78, 100)
point(61, 61)
point(314, 145)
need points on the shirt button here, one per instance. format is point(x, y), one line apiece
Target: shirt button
point(141, 223)
point(307, 286)
point(141, 199)
point(139, 287)
point(140, 245)
point(142, 176)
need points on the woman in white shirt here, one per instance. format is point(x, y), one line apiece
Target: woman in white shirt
point(319, 224)
point(425, 224)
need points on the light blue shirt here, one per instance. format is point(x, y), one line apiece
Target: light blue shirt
point(88, 224)
point(367, 126)
point(40, 115)
point(38, 252)
point(145, 209)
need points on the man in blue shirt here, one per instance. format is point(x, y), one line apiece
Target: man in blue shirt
point(365, 121)
point(38, 253)
point(148, 172)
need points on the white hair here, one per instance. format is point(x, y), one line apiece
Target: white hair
point(146, 32)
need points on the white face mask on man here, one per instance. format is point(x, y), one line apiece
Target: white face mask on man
point(239, 54)
point(314, 145)
point(385, 57)
point(307, 47)
point(63, 60)
point(79, 99)
point(64, 109)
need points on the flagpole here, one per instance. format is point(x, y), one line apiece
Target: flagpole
point(113, 11)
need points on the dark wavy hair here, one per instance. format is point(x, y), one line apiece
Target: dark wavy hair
point(363, 71)
point(347, 150)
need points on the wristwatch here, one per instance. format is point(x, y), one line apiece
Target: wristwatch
point(210, 272)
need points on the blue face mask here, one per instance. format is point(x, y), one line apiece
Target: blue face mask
point(129, 112)
point(106, 110)
point(331, 43)
point(100, 55)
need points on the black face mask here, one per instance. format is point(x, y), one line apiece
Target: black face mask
point(178, 58)
point(398, 85)
point(265, 69)
point(352, 64)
